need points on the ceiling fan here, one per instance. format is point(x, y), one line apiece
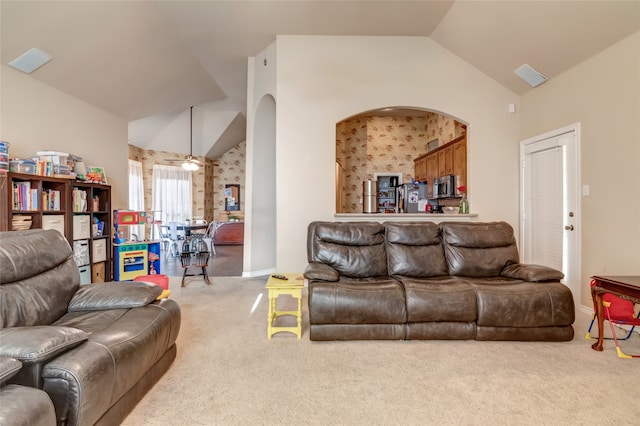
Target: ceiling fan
point(189, 162)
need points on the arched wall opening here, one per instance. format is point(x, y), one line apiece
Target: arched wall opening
point(262, 256)
point(388, 140)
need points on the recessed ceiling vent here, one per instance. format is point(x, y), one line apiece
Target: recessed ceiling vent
point(31, 60)
point(531, 76)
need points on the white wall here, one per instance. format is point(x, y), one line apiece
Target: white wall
point(36, 117)
point(603, 94)
point(322, 80)
point(260, 202)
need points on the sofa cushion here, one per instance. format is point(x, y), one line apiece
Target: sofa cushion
point(357, 301)
point(503, 303)
point(352, 249)
point(414, 249)
point(110, 295)
point(439, 299)
point(39, 343)
point(478, 249)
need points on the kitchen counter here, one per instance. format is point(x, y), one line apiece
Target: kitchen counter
point(229, 233)
point(404, 217)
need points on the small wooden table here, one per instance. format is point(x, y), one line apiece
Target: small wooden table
point(626, 287)
point(277, 287)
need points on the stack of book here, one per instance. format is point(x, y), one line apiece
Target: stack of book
point(20, 223)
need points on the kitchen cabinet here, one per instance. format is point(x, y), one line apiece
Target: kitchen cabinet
point(460, 163)
point(449, 159)
point(420, 168)
point(445, 160)
point(432, 172)
point(229, 233)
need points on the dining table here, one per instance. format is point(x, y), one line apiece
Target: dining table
point(188, 228)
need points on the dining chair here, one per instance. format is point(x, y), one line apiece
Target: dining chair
point(194, 255)
point(209, 235)
point(174, 240)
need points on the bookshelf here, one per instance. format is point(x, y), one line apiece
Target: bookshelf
point(91, 217)
point(31, 201)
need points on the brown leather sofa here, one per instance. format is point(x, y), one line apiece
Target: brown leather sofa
point(422, 280)
point(94, 349)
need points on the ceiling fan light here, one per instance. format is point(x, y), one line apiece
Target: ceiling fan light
point(188, 165)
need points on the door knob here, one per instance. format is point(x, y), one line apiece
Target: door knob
point(569, 227)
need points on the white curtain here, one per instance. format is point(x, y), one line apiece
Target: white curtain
point(136, 194)
point(172, 193)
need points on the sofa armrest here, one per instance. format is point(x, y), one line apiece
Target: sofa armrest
point(321, 271)
point(8, 368)
point(527, 272)
point(40, 343)
point(113, 295)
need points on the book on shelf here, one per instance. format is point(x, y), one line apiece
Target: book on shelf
point(79, 198)
point(24, 197)
point(51, 199)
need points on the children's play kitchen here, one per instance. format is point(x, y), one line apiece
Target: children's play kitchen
point(133, 258)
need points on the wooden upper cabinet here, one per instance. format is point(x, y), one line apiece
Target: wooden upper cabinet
point(449, 159)
point(420, 168)
point(460, 162)
point(432, 172)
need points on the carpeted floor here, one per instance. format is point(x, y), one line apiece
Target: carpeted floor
point(228, 373)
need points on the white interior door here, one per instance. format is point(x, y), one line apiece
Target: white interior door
point(549, 204)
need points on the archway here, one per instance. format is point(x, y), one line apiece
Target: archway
point(262, 255)
point(386, 140)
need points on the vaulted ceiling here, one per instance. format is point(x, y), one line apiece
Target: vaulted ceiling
point(148, 61)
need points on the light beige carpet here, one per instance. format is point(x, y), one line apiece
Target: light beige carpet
point(228, 373)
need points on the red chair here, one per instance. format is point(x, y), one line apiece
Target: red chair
point(617, 311)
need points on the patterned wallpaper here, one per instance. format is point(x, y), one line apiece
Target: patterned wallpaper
point(208, 181)
point(229, 169)
point(368, 145)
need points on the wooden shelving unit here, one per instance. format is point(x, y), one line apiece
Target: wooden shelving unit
point(96, 210)
point(32, 201)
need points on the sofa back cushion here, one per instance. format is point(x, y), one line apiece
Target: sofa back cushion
point(38, 277)
point(354, 249)
point(414, 249)
point(478, 249)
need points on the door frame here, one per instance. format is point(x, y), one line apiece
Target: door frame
point(575, 261)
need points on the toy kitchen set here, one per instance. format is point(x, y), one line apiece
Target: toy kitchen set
point(132, 255)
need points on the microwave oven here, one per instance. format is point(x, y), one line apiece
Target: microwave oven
point(444, 187)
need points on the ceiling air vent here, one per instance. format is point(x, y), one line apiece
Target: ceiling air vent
point(31, 60)
point(531, 76)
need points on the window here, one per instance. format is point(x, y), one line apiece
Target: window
point(172, 193)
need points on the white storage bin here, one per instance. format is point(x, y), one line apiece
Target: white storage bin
point(99, 251)
point(81, 227)
point(81, 253)
point(53, 222)
point(85, 274)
